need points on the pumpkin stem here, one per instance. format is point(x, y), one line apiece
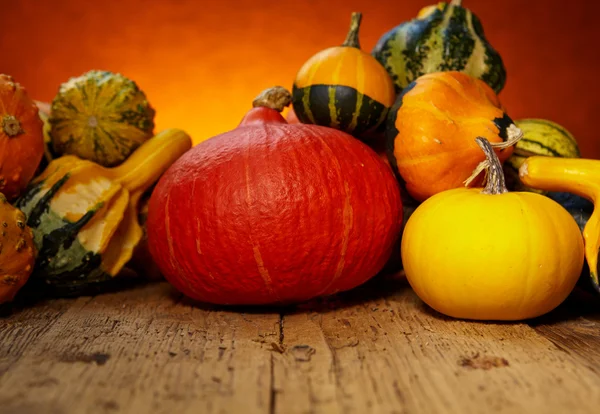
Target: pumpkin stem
point(352, 36)
point(276, 98)
point(494, 174)
point(11, 125)
point(456, 3)
point(513, 135)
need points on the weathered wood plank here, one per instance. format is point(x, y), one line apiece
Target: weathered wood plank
point(377, 349)
point(144, 350)
point(575, 328)
point(389, 353)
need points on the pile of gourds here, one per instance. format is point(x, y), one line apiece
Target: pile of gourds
point(498, 213)
point(495, 208)
point(74, 173)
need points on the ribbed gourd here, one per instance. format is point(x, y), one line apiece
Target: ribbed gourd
point(17, 251)
point(100, 116)
point(430, 130)
point(343, 87)
point(85, 216)
point(540, 137)
point(443, 37)
point(21, 141)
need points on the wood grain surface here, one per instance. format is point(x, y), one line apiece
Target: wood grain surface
point(377, 349)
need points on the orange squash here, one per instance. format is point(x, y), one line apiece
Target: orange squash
point(17, 250)
point(21, 139)
point(430, 130)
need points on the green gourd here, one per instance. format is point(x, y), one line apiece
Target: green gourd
point(100, 116)
point(443, 37)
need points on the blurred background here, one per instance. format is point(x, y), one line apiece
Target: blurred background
point(202, 62)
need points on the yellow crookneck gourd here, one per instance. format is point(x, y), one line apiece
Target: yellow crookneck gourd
point(578, 176)
point(490, 254)
point(84, 216)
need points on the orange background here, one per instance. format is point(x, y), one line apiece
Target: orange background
point(202, 62)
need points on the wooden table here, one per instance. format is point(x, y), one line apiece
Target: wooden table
point(376, 349)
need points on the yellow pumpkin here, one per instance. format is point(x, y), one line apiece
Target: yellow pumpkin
point(490, 254)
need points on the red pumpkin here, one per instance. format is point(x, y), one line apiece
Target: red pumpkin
point(273, 213)
point(21, 140)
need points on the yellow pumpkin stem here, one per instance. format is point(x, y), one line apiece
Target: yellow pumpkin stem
point(514, 134)
point(456, 3)
point(572, 175)
point(147, 163)
point(276, 98)
point(352, 36)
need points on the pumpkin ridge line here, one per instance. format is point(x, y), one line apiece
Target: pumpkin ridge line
point(262, 270)
point(172, 260)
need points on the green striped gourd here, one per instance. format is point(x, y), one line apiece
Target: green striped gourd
point(540, 137)
point(344, 88)
point(100, 116)
point(85, 216)
point(443, 37)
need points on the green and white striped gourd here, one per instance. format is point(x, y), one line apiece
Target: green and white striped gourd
point(540, 137)
point(443, 37)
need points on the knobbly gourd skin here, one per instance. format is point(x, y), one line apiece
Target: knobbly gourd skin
point(274, 213)
point(344, 88)
point(100, 116)
point(17, 251)
point(540, 137)
point(21, 138)
point(444, 37)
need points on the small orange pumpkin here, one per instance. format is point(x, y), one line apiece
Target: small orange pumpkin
point(17, 250)
point(431, 126)
point(21, 137)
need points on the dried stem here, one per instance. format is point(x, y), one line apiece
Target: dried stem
point(11, 126)
point(352, 36)
point(514, 134)
point(276, 98)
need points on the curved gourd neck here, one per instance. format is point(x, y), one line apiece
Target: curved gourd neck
point(572, 175)
point(145, 166)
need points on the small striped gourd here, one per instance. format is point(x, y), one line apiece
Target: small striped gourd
point(443, 37)
point(344, 88)
point(85, 216)
point(100, 116)
point(540, 137)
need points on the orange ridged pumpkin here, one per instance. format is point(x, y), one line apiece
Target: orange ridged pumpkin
point(431, 131)
point(21, 137)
